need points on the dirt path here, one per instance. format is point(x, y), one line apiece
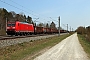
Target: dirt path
point(68, 49)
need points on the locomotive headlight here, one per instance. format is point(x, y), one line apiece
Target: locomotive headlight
point(8, 27)
point(13, 27)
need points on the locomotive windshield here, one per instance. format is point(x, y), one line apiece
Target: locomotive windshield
point(11, 24)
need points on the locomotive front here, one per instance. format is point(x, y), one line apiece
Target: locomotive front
point(10, 28)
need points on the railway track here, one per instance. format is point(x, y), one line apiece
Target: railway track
point(14, 37)
point(11, 40)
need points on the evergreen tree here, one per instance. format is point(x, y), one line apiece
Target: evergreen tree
point(29, 19)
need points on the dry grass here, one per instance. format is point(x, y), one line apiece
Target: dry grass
point(19, 51)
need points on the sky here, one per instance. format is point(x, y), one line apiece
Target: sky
point(75, 13)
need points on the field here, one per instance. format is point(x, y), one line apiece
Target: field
point(29, 49)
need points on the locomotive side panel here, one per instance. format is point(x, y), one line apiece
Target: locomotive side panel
point(31, 28)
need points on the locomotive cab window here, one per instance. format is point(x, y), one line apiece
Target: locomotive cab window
point(10, 24)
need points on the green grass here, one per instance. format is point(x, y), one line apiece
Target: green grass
point(19, 51)
point(85, 44)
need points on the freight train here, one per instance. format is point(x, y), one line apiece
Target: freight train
point(23, 28)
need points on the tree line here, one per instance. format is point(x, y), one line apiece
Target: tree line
point(12, 16)
point(84, 31)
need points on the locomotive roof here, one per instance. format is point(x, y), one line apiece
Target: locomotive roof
point(19, 22)
point(24, 22)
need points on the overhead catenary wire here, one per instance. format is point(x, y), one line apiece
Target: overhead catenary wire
point(17, 8)
point(25, 10)
point(37, 14)
point(31, 10)
point(23, 6)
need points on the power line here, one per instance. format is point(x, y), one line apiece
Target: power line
point(17, 8)
point(53, 19)
point(30, 10)
point(22, 6)
point(25, 10)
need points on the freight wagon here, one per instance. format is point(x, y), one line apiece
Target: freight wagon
point(39, 30)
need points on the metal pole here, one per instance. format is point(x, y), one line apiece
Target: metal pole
point(67, 28)
point(70, 28)
point(59, 25)
point(6, 26)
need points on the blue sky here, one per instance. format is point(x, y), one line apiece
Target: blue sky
point(72, 12)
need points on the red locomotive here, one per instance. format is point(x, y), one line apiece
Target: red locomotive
point(19, 28)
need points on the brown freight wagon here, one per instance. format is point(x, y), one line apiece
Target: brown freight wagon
point(47, 30)
point(39, 30)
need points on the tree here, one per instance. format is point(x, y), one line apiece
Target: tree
point(47, 25)
point(40, 25)
point(88, 30)
point(20, 17)
point(88, 33)
point(3, 16)
point(13, 13)
point(25, 17)
point(17, 17)
point(10, 17)
point(29, 19)
point(52, 25)
point(81, 30)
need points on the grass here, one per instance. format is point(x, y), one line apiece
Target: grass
point(85, 44)
point(19, 51)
